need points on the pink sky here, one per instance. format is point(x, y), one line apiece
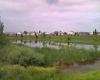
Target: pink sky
point(50, 15)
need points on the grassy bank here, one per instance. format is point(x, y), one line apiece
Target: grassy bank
point(92, 75)
point(74, 39)
point(25, 56)
point(16, 72)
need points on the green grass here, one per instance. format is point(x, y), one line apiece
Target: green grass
point(16, 54)
point(68, 55)
point(23, 63)
point(74, 39)
point(92, 75)
point(16, 72)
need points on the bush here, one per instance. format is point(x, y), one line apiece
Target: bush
point(3, 41)
point(25, 57)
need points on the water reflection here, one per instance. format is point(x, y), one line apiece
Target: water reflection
point(94, 65)
point(87, 47)
point(55, 45)
point(37, 44)
point(83, 67)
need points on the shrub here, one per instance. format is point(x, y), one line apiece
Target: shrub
point(3, 41)
point(25, 57)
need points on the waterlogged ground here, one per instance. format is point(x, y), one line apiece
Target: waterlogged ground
point(92, 66)
point(55, 45)
point(76, 67)
point(54, 61)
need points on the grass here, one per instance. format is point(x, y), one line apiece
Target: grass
point(74, 39)
point(23, 63)
point(68, 55)
point(16, 54)
point(92, 75)
point(16, 72)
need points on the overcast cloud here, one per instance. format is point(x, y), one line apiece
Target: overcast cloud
point(50, 15)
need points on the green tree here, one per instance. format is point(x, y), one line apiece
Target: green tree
point(1, 27)
point(3, 39)
point(25, 32)
point(95, 32)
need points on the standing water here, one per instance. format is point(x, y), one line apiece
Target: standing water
point(40, 44)
point(75, 67)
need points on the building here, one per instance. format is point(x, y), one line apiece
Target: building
point(98, 33)
point(83, 33)
point(71, 33)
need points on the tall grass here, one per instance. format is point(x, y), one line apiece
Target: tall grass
point(68, 55)
point(14, 54)
point(16, 72)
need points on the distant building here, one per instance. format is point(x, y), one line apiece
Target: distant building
point(98, 33)
point(91, 33)
point(18, 33)
point(31, 33)
point(83, 33)
point(71, 33)
point(47, 33)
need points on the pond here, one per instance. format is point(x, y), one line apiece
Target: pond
point(95, 65)
point(37, 44)
point(55, 45)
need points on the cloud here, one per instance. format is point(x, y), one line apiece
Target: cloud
point(42, 5)
point(52, 1)
point(52, 14)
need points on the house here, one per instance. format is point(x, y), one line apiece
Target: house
point(60, 33)
point(57, 33)
point(32, 33)
point(91, 33)
point(47, 33)
point(18, 33)
point(83, 33)
point(71, 33)
point(98, 33)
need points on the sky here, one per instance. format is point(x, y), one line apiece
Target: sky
point(50, 15)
